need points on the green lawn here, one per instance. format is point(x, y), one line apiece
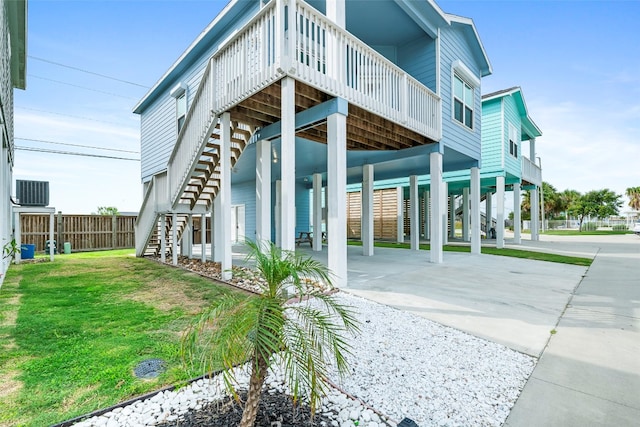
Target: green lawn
point(586, 233)
point(73, 330)
point(515, 253)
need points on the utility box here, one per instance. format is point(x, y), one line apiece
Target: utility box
point(32, 193)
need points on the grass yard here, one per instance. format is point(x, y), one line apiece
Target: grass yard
point(515, 253)
point(72, 331)
point(586, 233)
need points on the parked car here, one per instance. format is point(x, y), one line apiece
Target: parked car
point(636, 229)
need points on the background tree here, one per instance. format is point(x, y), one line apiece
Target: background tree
point(551, 208)
point(108, 210)
point(254, 329)
point(597, 203)
point(566, 198)
point(633, 193)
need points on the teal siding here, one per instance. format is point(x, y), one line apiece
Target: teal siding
point(492, 136)
point(418, 58)
point(512, 165)
point(454, 46)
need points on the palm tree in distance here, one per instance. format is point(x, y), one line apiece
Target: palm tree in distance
point(306, 339)
point(633, 193)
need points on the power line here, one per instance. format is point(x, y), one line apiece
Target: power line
point(68, 115)
point(81, 87)
point(77, 145)
point(86, 71)
point(70, 153)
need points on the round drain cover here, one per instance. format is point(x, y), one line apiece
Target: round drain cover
point(150, 368)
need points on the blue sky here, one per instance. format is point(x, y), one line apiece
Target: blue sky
point(578, 63)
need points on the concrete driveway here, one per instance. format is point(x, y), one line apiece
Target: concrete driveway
point(511, 301)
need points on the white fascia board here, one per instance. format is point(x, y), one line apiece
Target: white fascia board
point(468, 21)
point(195, 43)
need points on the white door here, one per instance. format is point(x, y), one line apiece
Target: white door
point(237, 224)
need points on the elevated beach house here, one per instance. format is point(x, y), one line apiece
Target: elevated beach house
point(278, 105)
point(13, 74)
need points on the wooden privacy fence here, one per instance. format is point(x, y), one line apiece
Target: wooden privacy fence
point(84, 232)
point(385, 214)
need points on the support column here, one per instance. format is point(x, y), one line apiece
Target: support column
point(535, 211)
point(427, 215)
point(212, 231)
point(400, 215)
point(336, 12)
point(317, 212)
point(187, 238)
point(465, 214)
point(263, 191)
point(337, 186)
point(17, 234)
point(288, 165)
point(224, 194)
point(203, 237)
point(414, 212)
point(278, 213)
point(452, 215)
point(475, 211)
point(517, 239)
point(163, 238)
point(500, 212)
point(366, 222)
point(435, 164)
point(444, 221)
point(216, 229)
point(488, 215)
point(174, 238)
point(60, 244)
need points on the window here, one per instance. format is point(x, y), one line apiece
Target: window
point(181, 110)
point(462, 101)
point(513, 141)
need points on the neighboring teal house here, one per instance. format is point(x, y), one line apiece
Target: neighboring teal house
point(277, 98)
point(506, 127)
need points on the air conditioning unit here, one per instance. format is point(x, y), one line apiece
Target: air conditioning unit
point(32, 193)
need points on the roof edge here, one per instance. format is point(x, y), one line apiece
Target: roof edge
point(17, 20)
point(488, 70)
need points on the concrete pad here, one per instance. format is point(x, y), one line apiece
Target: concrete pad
point(511, 301)
point(556, 405)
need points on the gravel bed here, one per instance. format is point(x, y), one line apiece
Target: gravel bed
point(402, 366)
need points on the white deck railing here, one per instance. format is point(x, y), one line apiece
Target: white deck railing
point(531, 172)
point(324, 56)
point(156, 200)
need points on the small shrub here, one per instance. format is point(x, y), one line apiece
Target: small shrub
point(589, 226)
point(620, 227)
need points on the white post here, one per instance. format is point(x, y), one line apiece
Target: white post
point(414, 212)
point(337, 185)
point(213, 230)
point(18, 236)
point(263, 191)
point(465, 214)
point(516, 214)
point(475, 211)
point(163, 238)
point(216, 227)
point(203, 237)
point(400, 215)
point(278, 213)
point(51, 237)
point(452, 215)
point(427, 215)
point(366, 222)
point(535, 212)
point(174, 238)
point(489, 214)
point(336, 12)
point(187, 238)
point(444, 220)
point(317, 212)
point(225, 195)
point(288, 164)
point(436, 188)
point(500, 212)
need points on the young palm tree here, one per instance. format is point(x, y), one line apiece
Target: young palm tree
point(257, 328)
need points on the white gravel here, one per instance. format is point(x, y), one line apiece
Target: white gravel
point(402, 366)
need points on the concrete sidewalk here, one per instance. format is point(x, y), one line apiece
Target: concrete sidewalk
point(589, 374)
